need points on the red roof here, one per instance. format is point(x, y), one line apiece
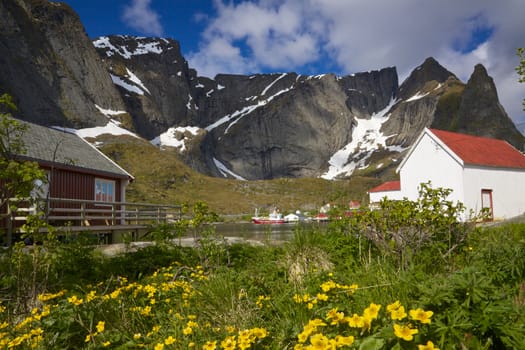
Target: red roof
point(482, 150)
point(387, 186)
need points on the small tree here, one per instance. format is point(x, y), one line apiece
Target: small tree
point(403, 229)
point(17, 176)
point(521, 68)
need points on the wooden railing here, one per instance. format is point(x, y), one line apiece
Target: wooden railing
point(89, 215)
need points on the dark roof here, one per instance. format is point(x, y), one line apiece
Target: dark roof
point(484, 151)
point(50, 146)
point(387, 186)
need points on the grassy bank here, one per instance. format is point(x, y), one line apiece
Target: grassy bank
point(463, 287)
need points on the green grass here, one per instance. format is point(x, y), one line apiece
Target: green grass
point(171, 297)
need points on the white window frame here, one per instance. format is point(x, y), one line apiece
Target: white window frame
point(104, 190)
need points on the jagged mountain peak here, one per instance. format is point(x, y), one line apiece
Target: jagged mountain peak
point(481, 113)
point(430, 70)
point(481, 79)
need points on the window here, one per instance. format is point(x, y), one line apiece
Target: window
point(486, 202)
point(104, 190)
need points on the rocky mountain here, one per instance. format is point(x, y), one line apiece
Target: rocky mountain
point(261, 126)
point(49, 65)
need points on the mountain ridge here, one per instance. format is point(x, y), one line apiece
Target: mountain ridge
point(260, 126)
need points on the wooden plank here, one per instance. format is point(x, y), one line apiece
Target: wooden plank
point(99, 228)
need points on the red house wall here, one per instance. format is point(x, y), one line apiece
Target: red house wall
point(75, 185)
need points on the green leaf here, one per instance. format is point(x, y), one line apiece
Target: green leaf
point(372, 343)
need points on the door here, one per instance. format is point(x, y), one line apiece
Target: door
point(486, 203)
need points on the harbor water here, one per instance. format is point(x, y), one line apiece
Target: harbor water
point(265, 232)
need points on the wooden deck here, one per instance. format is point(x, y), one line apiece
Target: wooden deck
point(107, 218)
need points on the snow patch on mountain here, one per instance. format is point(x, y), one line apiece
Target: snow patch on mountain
point(235, 116)
point(112, 127)
point(124, 84)
point(366, 138)
point(144, 46)
point(176, 137)
point(272, 83)
point(223, 169)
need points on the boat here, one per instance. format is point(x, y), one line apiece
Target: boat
point(275, 217)
point(321, 217)
point(297, 217)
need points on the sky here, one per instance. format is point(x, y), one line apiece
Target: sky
point(328, 36)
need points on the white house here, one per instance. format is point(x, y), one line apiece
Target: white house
point(389, 189)
point(481, 172)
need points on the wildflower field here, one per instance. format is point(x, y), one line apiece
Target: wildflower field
point(356, 285)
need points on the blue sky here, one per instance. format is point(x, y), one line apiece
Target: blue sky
point(322, 36)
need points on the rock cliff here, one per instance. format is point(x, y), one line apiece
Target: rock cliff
point(261, 126)
point(49, 65)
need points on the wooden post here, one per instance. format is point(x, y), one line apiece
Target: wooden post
point(83, 221)
point(9, 225)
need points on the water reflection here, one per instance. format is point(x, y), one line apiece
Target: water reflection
point(270, 232)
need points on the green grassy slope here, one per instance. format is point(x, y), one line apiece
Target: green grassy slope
point(160, 177)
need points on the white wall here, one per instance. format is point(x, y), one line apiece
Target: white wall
point(378, 196)
point(429, 161)
point(507, 185)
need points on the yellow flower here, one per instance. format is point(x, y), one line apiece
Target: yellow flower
point(91, 295)
point(106, 343)
point(367, 324)
point(319, 341)
point(372, 311)
point(230, 329)
point(421, 315)
point(75, 301)
point(169, 340)
point(404, 332)
point(398, 314)
point(260, 332)
point(326, 286)
point(115, 294)
point(210, 345)
point(146, 310)
point(322, 297)
point(137, 336)
point(316, 323)
point(303, 337)
point(48, 296)
point(88, 338)
point(159, 346)
point(356, 321)
point(100, 326)
point(297, 298)
point(429, 346)
point(192, 324)
point(394, 306)
point(336, 317)
point(344, 341)
point(187, 331)
point(229, 343)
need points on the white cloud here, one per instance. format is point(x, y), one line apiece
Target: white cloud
point(141, 17)
point(360, 35)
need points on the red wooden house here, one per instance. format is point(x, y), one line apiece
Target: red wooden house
point(75, 168)
point(85, 190)
point(79, 178)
